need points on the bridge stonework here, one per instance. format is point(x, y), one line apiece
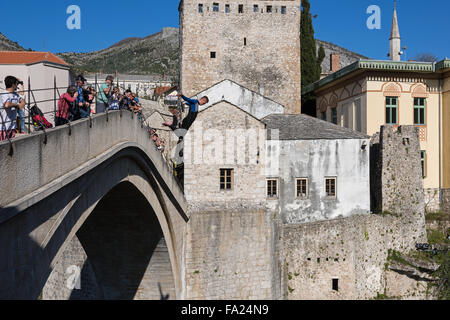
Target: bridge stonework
point(53, 192)
point(99, 198)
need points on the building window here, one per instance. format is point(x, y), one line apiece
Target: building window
point(241, 8)
point(227, 8)
point(272, 188)
point(423, 160)
point(334, 117)
point(213, 54)
point(215, 7)
point(330, 187)
point(269, 9)
point(419, 111)
point(324, 116)
point(391, 110)
point(200, 8)
point(335, 285)
point(255, 8)
point(302, 188)
point(226, 179)
point(283, 10)
point(245, 41)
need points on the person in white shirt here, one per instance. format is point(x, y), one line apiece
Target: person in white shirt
point(10, 102)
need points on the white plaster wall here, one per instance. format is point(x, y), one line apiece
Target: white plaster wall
point(251, 102)
point(316, 160)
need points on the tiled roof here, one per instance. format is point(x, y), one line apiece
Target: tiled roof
point(29, 57)
point(303, 127)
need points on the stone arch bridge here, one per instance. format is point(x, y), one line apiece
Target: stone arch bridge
point(94, 201)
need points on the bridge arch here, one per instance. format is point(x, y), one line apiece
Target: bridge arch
point(36, 234)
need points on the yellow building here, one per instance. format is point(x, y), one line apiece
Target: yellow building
point(368, 94)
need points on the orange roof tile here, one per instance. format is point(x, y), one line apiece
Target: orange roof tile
point(160, 90)
point(28, 57)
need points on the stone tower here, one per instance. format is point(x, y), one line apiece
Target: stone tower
point(395, 40)
point(253, 43)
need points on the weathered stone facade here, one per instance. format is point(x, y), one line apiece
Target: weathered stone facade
point(258, 50)
point(353, 251)
point(233, 254)
point(432, 200)
point(446, 200)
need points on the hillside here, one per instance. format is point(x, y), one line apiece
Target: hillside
point(8, 45)
point(155, 54)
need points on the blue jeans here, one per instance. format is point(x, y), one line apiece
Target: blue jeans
point(84, 113)
point(21, 114)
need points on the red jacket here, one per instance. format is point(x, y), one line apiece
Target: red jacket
point(64, 105)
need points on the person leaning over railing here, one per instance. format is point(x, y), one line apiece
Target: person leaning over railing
point(21, 112)
point(105, 92)
point(10, 101)
point(67, 99)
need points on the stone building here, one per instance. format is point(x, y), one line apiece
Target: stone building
point(370, 93)
point(254, 43)
point(323, 169)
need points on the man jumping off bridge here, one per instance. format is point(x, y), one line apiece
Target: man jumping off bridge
point(190, 118)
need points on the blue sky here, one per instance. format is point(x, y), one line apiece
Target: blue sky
point(424, 25)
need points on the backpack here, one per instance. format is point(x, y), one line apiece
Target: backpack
point(38, 118)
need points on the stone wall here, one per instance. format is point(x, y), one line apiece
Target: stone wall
point(217, 141)
point(431, 199)
point(233, 254)
point(258, 50)
point(353, 250)
point(446, 200)
point(315, 160)
point(346, 57)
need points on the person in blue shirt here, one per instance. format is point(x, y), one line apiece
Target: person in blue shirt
point(83, 107)
point(192, 115)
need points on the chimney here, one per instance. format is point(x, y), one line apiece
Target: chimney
point(335, 62)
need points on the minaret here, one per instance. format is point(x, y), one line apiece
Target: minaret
point(395, 40)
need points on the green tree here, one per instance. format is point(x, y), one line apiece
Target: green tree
point(310, 60)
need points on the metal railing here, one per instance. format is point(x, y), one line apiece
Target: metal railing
point(29, 94)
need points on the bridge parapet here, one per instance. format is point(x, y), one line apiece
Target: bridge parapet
point(42, 160)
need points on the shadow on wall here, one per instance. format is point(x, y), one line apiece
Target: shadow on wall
point(124, 242)
point(126, 253)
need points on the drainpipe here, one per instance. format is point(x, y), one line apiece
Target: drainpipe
point(440, 142)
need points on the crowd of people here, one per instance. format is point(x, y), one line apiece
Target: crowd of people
point(78, 102)
point(82, 100)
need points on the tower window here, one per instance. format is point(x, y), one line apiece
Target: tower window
point(272, 188)
point(335, 285)
point(227, 8)
point(215, 7)
point(330, 187)
point(200, 8)
point(213, 54)
point(241, 8)
point(245, 41)
point(283, 10)
point(269, 9)
point(226, 179)
point(255, 8)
